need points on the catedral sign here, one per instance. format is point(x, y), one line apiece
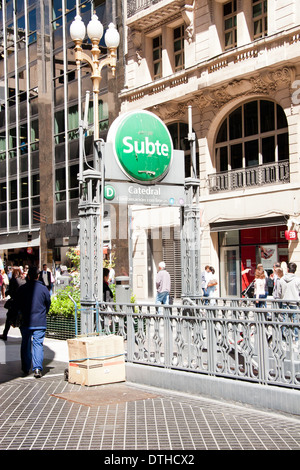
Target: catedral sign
point(142, 146)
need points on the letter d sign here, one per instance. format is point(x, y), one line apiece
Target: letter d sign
point(109, 192)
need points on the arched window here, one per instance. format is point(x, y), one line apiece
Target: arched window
point(179, 132)
point(255, 133)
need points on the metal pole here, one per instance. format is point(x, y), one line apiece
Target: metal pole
point(96, 130)
point(190, 229)
point(192, 140)
point(83, 125)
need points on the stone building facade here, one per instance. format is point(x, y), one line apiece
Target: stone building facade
point(237, 64)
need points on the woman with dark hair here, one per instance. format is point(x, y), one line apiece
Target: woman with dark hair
point(15, 282)
point(107, 293)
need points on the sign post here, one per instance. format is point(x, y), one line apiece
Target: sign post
point(190, 228)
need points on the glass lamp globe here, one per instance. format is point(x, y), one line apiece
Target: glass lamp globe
point(77, 29)
point(112, 37)
point(95, 29)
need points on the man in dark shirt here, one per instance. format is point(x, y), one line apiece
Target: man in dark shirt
point(45, 276)
point(33, 303)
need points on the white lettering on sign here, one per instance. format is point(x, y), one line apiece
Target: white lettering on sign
point(151, 191)
point(145, 147)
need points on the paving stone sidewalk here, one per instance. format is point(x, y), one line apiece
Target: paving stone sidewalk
point(52, 414)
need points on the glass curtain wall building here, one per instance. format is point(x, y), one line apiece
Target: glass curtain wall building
point(39, 119)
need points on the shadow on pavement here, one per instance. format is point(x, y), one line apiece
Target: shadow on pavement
point(10, 360)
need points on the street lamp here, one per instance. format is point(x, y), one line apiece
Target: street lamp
point(90, 206)
point(95, 33)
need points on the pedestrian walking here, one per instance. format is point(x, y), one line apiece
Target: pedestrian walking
point(33, 303)
point(205, 276)
point(163, 284)
point(45, 276)
point(107, 293)
point(290, 291)
point(15, 282)
point(290, 284)
point(260, 287)
point(4, 284)
point(278, 274)
point(212, 283)
point(1, 284)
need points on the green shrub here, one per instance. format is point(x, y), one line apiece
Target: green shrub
point(61, 304)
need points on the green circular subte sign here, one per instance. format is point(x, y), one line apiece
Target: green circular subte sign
point(142, 145)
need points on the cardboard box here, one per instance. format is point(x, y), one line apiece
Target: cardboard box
point(96, 360)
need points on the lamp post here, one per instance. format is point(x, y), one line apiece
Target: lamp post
point(95, 33)
point(92, 180)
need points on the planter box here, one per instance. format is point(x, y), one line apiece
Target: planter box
point(61, 327)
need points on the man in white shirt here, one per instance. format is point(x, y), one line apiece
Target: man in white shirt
point(163, 284)
point(205, 277)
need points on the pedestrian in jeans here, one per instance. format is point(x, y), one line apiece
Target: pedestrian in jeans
point(260, 287)
point(290, 291)
point(33, 303)
point(163, 284)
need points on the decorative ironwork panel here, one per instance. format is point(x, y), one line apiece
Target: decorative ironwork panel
point(230, 338)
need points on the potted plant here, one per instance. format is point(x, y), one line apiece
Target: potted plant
point(61, 316)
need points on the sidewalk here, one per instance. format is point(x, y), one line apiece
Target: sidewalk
point(51, 414)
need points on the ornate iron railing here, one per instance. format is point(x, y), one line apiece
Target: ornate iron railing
point(272, 173)
point(232, 338)
point(134, 6)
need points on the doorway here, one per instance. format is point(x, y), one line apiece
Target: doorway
point(230, 271)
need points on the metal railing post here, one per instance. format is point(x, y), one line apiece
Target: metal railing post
point(130, 333)
point(75, 314)
point(168, 347)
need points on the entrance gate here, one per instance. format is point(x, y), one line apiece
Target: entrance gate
point(137, 165)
